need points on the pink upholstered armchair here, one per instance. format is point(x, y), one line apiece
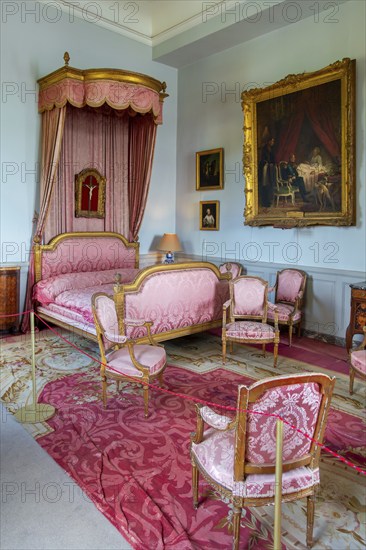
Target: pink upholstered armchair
point(357, 362)
point(231, 267)
point(290, 290)
point(121, 358)
point(245, 316)
point(237, 457)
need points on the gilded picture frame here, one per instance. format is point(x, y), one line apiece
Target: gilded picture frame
point(210, 169)
point(89, 194)
point(209, 215)
point(299, 149)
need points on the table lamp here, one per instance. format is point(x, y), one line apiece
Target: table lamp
point(169, 243)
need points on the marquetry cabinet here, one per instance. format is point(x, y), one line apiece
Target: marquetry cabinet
point(9, 297)
point(358, 312)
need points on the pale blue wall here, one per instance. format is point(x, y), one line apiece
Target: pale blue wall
point(206, 122)
point(33, 47)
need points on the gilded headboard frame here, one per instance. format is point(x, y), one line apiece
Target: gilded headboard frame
point(97, 237)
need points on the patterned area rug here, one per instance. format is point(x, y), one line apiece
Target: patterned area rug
point(137, 471)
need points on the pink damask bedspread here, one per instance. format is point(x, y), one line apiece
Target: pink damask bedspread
point(72, 292)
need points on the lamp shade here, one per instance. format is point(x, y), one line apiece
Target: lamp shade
point(169, 243)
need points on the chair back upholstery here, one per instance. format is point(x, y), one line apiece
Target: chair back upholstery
point(249, 297)
point(302, 401)
point(231, 267)
point(106, 319)
point(290, 282)
point(282, 167)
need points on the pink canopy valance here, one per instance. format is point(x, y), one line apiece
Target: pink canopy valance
point(94, 87)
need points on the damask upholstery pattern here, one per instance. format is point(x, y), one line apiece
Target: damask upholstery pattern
point(248, 295)
point(358, 360)
point(178, 299)
point(297, 404)
point(284, 311)
point(151, 357)
point(249, 329)
point(86, 254)
point(216, 456)
point(47, 290)
point(289, 285)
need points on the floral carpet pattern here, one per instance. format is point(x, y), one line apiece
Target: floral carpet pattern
point(138, 472)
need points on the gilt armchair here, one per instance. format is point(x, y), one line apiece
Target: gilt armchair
point(237, 456)
point(121, 358)
point(357, 362)
point(289, 295)
point(245, 316)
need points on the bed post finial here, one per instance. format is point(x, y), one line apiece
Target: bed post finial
point(66, 58)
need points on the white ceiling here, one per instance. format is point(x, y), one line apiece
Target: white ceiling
point(146, 20)
point(183, 31)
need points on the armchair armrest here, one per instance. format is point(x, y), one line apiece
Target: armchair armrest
point(225, 307)
point(137, 322)
point(142, 323)
point(216, 421)
point(115, 338)
point(213, 419)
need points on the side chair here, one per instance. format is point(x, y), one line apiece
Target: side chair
point(121, 358)
point(245, 316)
point(237, 456)
point(357, 362)
point(289, 294)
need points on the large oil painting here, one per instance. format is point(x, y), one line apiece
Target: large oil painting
point(299, 149)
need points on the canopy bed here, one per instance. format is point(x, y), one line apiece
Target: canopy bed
point(97, 145)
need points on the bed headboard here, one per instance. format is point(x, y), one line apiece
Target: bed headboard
point(84, 251)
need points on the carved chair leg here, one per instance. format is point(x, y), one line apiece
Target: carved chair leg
point(146, 399)
point(224, 351)
point(310, 520)
point(161, 380)
point(351, 380)
point(104, 391)
point(290, 334)
point(236, 527)
point(275, 354)
point(195, 478)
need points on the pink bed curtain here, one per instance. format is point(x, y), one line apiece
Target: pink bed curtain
point(93, 138)
point(53, 123)
point(141, 152)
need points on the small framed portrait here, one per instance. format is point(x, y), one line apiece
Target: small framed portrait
point(209, 169)
point(209, 215)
